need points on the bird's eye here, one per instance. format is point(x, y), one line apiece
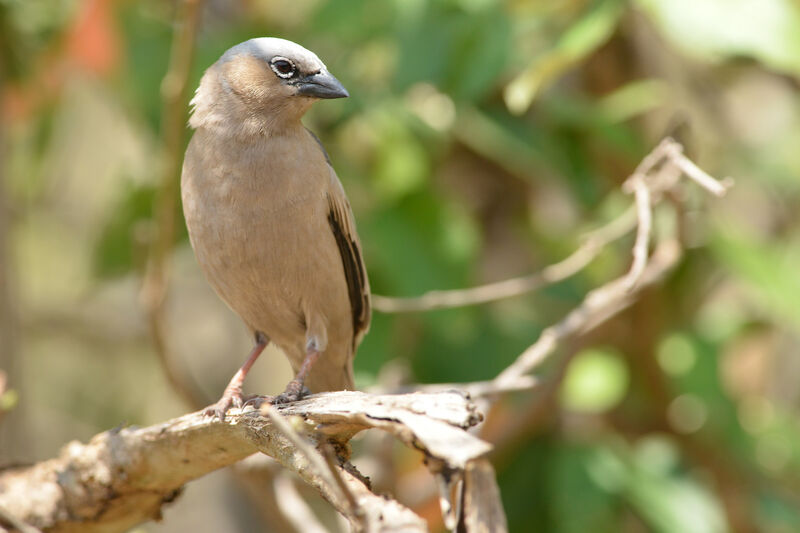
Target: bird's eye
point(283, 67)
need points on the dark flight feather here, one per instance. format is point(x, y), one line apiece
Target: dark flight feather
point(353, 271)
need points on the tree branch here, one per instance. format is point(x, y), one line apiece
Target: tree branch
point(123, 477)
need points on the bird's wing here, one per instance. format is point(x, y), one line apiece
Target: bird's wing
point(340, 218)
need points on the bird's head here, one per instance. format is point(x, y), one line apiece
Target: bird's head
point(265, 80)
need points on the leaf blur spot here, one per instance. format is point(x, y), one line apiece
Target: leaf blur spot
point(676, 354)
point(633, 99)
point(687, 413)
point(596, 381)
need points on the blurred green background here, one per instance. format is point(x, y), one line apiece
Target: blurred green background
point(481, 140)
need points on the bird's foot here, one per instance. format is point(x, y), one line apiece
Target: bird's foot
point(257, 400)
point(230, 398)
point(295, 390)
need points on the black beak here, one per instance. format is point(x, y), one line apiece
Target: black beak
point(322, 85)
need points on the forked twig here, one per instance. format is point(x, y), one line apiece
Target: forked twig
point(658, 173)
point(668, 151)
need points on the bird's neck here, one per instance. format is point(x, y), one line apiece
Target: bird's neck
point(219, 110)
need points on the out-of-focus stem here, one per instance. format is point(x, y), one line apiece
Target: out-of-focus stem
point(12, 430)
point(174, 91)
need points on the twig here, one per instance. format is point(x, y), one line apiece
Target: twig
point(598, 306)
point(256, 475)
point(712, 185)
point(330, 459)
point(325, 469)
point(16, 523)
point(175, 91)
point(643, 230)
point(593, 243)
point(449, 503)
point(667, 149)
point(482, 508)
point(608, 300)
point(294, 507)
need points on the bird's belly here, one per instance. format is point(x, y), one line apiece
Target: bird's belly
point(262, 258)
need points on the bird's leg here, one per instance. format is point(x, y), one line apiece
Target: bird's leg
point(295, 389)
point(233, 392)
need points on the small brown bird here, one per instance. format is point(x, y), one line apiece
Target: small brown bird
point(268, 218)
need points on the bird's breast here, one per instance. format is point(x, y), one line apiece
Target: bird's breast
point(261, 235)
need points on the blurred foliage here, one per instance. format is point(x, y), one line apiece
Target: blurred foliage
point(482, 139)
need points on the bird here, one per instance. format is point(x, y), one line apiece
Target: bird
point(268, 219)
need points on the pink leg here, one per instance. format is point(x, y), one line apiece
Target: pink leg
point(233, 392)
point(294, 390)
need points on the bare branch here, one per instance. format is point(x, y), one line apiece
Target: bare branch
point(123, 477)
point(608, 300)
point(598, 306)
point(593, 243)
point(449, 503)
point(294, 507)
point(482, 510)
point(331, 459)
point(687, 166)
point(667, 149)
point(324, 469)
point(475, 389)
point(643, 230)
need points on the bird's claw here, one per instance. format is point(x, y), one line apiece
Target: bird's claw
point(294, 391)
point(257, 401)
point(230, 398)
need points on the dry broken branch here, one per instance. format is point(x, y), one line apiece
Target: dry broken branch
point(123, 477)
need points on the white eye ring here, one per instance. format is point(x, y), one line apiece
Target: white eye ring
point(285, 75)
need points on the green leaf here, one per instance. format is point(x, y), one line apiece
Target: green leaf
point(766, 30)
point(633, 99)
point(120, 247)
point(583, 37)
point(666, 502)
point(463, 53)
point(769, 270)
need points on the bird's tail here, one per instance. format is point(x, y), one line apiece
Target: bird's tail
point(331, 372)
